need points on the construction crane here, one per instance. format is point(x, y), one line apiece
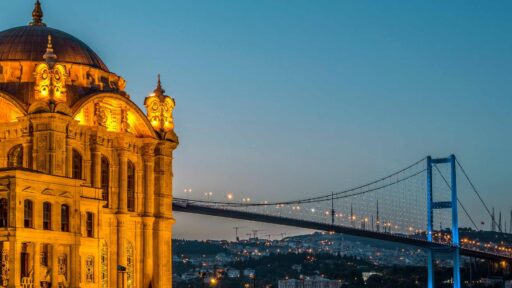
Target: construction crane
point(236, 232)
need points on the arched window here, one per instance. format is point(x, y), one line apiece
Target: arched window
point(76, 168)
point(64, 218)
point(89, 224)
point(105, 179)
point(15, 156)
point(131, 187)
point(28, 212)
point(4, 211)
point(47, 216)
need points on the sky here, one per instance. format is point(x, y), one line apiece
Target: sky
point(279, 100)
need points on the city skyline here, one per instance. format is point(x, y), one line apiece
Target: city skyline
point(281, 101)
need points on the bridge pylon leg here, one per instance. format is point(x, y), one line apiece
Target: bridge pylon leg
point(455, 225)
point(456, 269)
point(430, 265)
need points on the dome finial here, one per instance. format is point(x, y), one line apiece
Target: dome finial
point(37, 15)
point(159, 91)
point(49, 56)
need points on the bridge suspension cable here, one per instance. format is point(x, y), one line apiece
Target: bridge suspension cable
point(478, 194)
point(328, 197)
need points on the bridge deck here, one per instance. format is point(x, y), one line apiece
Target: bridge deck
point(250, 216)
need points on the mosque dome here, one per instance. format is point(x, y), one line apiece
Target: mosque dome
point(23, 49)
point(28, 43)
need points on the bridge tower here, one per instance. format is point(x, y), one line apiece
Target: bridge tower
point(452, 204)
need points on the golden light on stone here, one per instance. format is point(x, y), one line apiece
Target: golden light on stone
point(85, 200)
point(159, 109)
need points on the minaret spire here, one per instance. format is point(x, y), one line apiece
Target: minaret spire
point(37, 15)
point(159, 91)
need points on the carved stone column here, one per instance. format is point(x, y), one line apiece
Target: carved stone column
point(55, 264)
point(27, 152)
point(96, 162)
point(123, 178)
point(121, 246)
point(14, 262)
point(149, 181)
point(37, 264)
point(148, 250)
point(74, 266)
point(69, 159)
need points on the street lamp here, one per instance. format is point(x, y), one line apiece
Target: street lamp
point(187, 192)
point(253, 277)
point(230, 196)
point(208, 194)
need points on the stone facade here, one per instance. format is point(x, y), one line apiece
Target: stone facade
point(85, 176)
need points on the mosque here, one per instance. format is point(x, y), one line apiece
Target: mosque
point(85, 174)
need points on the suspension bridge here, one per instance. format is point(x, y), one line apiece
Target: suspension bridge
point(402, 207)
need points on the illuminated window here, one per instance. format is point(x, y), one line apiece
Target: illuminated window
point(28, 211)
point(64, 218)
point(15, 156)
point(4, 209)
point(131, 187)
point(105, 173)
point(44, 255)
point(47, 216)
point(25, 260)
point(89, 224)
point(76, 165)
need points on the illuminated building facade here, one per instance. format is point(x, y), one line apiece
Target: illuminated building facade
point(85, 175)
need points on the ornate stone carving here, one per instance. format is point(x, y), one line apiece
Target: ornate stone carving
point(104, 265)
point(4, 268)
point(130, 279)
point(159, 109)
point(89, 269)
point(50, 78)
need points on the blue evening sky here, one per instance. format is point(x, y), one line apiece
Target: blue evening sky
point(283, 99)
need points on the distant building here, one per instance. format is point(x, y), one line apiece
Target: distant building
point(315, 282)
point(233, 273)
point(248, 272)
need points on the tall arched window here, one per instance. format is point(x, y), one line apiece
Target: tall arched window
point(105, 179)
point(76, 165)
point(64, 218)
point(4, 210)
point(131, 187)
point(47, 216)
point(15, 156)
point(28, 212)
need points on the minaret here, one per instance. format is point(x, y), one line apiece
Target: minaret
point(37, 15)
point(378, 219)
point(499, 224)
point(351, 215)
